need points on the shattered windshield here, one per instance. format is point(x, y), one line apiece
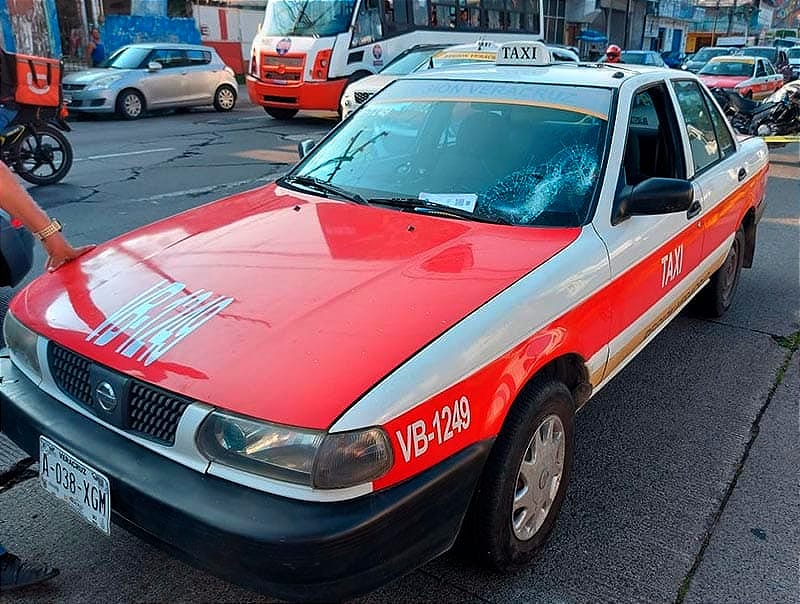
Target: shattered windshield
point(307, 17)
point(521, 154)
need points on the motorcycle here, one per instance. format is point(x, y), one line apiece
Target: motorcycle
point(34, 146)
point(778, 114)
point(32, 143)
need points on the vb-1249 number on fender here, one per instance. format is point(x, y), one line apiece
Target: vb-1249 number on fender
point(86, 490)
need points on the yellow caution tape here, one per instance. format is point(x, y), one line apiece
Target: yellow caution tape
point(788, 138)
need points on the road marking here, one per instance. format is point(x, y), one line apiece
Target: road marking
point(209, 188)
point(142, 152)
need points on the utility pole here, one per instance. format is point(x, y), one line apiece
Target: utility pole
point(731, 12)
point(627, 24)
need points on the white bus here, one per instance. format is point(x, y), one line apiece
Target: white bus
point(307, 51)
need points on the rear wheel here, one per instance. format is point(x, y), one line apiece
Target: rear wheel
point(717, 297)
point(522, 488)
point(279, 113)
point(130, 104)
point(42, 156)
point(224, 98)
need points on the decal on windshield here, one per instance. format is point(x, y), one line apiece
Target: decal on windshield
point(458, 201)
point(153, 322)
point(584, 100)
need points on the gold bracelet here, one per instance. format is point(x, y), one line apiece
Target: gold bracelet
point(54, 227)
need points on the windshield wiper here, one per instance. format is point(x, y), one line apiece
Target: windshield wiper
point(323, 187)
point(428, 207)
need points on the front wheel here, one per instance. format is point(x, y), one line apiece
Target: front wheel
point(281, 114)
point(224, 98)
point(42, 156)
point(130, 104)
point(522, 488)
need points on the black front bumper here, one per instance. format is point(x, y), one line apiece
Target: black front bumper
point(291, 549)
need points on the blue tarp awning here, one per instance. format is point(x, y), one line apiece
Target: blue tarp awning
point(592, 35)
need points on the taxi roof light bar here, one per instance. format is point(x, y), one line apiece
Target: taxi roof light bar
point(523, 53)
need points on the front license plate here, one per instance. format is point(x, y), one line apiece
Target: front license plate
point(86, 490)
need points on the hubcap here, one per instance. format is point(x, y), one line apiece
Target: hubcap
point(729, 272)
point(539, 478)
point(132, 104)
point(225, 98)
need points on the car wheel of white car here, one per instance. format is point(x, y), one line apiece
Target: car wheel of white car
point(717, 297)
point(224, 98)
point(522, 488)
point(130, 104)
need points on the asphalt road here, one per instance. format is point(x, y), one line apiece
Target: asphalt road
point(685, 478)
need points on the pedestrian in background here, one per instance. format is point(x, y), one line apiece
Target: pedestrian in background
point(15, 572)
point(97, 52)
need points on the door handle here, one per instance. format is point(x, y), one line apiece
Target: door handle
point(694, 209)
point(742, 174)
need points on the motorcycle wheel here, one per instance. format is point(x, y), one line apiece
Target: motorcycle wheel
point(42, 156)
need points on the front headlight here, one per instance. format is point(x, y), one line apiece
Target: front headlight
point(308, 457)
point(104, 82)
point(22, 343)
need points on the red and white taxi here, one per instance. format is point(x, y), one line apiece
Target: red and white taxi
point(749, 76)
point(313, 387)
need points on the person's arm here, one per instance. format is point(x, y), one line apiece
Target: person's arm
point(16, 201)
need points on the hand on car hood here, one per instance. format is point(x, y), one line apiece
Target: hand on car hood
point(316, 300)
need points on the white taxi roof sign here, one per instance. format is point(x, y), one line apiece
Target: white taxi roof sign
point(523, 53)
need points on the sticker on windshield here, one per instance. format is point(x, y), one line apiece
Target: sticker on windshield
point(458, 201)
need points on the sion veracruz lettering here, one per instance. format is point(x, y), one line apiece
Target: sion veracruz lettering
point(445, 424)
point(156, 320)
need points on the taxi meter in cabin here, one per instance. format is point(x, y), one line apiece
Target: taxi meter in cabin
point(331, 377)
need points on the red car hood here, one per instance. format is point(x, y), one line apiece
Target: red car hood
point(300, 304)
point(712, 81)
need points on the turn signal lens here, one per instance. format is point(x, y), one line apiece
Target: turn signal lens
point(22, 343)
point(346, 459)
point(321, 64)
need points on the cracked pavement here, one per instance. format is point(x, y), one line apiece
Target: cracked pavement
point(685, 479)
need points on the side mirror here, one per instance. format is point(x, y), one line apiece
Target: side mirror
point(305, 147)
point(652, 197)
point(154, 66)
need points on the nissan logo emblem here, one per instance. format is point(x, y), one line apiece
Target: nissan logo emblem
point(105, 396)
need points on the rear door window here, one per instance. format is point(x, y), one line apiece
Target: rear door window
point(198, 57)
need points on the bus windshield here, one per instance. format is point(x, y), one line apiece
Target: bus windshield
point(307, 17)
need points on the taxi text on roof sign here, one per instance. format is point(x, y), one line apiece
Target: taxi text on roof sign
point(523, 53)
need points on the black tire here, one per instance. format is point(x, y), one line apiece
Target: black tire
point(717, 296)
point(225, 98)
point(281, 114)
point(43, 156)
point(488, 530)
point(130, 104)
point(5, 296)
